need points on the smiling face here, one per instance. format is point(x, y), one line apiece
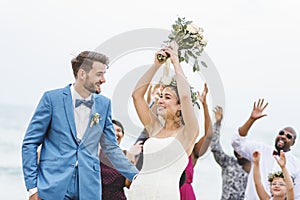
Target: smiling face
point(284, 140)
point(119, 133)
point(95, 77)
point(168, 104)
point(278, 187)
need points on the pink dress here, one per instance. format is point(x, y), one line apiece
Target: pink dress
point(186, 190)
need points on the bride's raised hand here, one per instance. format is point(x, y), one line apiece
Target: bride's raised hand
point(157, 54)
point(172, 50)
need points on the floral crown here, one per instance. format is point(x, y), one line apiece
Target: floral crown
point(277, 174)
point(194, 95)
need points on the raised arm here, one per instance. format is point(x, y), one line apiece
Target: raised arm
point(261, 192)
point(140, 89)
point(202, 145)
point(149, 94)
point(191, 129)
point(220, 156)
point(287, 177)
point(257, 113)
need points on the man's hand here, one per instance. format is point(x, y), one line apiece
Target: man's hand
point(282, 160)
point(35, 196)
point(258, 109)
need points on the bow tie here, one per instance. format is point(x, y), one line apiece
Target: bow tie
point(87, 103)
point(275, 153)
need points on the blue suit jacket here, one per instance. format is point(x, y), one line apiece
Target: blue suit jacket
point(53, 126)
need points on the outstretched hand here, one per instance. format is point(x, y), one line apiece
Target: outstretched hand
point(218, 113)
point(281, 160)
point(136, 148)
point(258, 109)
point(202, 97)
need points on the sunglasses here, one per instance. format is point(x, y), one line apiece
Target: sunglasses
point(288, 135)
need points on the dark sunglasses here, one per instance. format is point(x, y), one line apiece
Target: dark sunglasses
point(288, 135)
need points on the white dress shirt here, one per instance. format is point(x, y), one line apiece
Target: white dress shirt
point(268, 165)
point(81, 114)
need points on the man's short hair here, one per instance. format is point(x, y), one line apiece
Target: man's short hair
point(85, 61)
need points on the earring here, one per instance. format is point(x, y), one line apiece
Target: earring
point(177, 117)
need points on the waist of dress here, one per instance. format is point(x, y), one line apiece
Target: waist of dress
point(188, 182)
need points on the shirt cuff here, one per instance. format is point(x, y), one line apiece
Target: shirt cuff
point(32, 191)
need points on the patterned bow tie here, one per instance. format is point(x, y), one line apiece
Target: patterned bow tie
point(87, 103)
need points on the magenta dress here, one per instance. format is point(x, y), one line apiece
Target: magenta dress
point(186, 190)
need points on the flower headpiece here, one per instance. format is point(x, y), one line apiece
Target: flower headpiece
point(194, 95)
point(190, 41)
point(277, 174)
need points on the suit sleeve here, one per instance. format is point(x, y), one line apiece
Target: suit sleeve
point(34, 136)
point(112, 150)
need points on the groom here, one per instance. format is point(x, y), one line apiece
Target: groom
point(69, 123)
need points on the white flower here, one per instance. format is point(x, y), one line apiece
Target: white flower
point(192, 28)
point(95, 119)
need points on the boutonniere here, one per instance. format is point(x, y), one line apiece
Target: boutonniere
point(95, 119)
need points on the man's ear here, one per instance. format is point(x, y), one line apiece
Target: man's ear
point(293, 142)
point(81, 74)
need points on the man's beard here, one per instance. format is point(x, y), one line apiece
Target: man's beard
point(279, 148)
point(91, 87)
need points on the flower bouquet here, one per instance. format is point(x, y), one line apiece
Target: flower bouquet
point(189, 39)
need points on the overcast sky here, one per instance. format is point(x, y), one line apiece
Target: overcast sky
point(254, 45)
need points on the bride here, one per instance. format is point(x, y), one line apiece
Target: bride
point(166, 151)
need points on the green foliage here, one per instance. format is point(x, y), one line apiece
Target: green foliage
point(190, 41)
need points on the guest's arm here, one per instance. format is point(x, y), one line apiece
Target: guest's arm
point(257, 113)
point(202, 145)
point(261, 192)
point(135, 150)
point(287, 177)
point(220, 156)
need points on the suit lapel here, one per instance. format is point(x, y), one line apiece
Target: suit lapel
point(70, 110)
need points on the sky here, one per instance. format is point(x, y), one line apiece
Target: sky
point(254, 45)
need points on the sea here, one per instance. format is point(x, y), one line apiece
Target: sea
point(14, 121)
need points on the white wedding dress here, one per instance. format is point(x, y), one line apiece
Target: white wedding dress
point(164, 161)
